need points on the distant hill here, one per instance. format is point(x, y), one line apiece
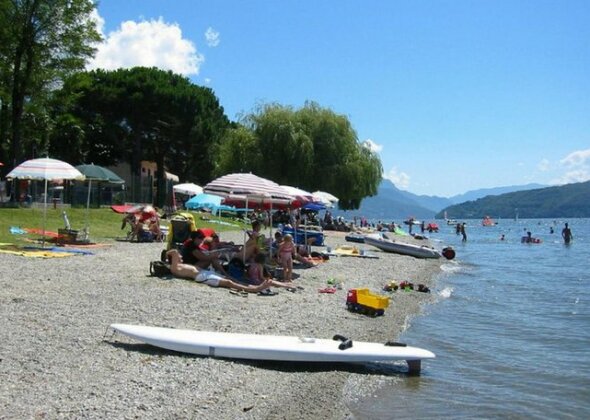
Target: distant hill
point(483, 192)
point(571, 200)
point(391, 204)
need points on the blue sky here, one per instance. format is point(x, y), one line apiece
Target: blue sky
point(454, 95)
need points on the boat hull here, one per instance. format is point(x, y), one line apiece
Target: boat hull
point(389, 245)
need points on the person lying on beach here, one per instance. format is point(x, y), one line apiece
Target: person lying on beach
point(210, 278)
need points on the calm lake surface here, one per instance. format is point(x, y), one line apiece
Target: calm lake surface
point(510, 329)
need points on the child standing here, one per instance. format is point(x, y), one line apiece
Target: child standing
point(286, 251)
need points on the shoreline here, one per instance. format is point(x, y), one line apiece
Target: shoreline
point(54, 361)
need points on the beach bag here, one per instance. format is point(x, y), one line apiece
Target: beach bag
point(236, 269)
point(159, 269)
point(145, 236)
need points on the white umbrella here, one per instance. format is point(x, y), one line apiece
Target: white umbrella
point(45, 169)
point(187, 189)
point(325, 198)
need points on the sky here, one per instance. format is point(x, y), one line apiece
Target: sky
point(453, 95)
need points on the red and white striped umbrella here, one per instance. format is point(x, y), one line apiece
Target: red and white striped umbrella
point(45, 169)
point(302, 196)
point(247, 185)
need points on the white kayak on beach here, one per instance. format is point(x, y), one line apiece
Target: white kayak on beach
point(273, 347)
point(389, 245)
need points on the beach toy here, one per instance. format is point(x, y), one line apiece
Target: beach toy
point(364, 302)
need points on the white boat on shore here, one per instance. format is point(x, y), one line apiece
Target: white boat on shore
point(389, 245)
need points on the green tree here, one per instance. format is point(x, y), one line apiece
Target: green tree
point(311, 148)
point(130, 115)
point(42, 41)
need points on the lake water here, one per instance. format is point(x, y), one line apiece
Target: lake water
point(510, 329)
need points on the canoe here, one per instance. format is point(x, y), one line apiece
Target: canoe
point(389, 245)
point(272, 347)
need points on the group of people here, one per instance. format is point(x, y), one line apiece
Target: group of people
point(566, 234)
point(145, 225)
point(203, 254)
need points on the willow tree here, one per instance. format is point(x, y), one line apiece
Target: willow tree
point(311, 148)
point(41, 42)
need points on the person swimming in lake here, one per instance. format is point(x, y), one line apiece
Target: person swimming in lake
point(566, 234)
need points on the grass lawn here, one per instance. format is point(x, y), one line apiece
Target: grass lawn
point(104, 223)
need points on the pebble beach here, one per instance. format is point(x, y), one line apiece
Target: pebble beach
point(59, 359)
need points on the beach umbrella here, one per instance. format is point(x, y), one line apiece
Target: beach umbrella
point(300, 195)
point(325, 198)
point(239, 184)
point(96, 173)
point(247, 188)
point(203, 200)
point(187, 189)
point(45, 169)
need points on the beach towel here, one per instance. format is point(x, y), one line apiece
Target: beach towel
point(37, 254)
point(352, 251)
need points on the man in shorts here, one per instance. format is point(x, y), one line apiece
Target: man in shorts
point(211, 278)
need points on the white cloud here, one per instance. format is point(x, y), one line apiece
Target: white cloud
point(212, 37)
point(578, 175)
point(577, 158)
point(400, 179)
point(543, 165)
point(577, 166)
point(372, 146)
point(153, 43)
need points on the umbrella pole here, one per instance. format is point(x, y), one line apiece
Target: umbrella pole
point(245, 232)
point(44, 214)
point(88, 206)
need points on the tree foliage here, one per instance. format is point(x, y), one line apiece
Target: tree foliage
point(41, 42)
point(311, 148)
point(130, 115)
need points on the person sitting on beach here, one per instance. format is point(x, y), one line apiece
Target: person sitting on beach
point(214, 243)
point(192, 253)
point(210, 278)
point(257, 274)
point(256, 242)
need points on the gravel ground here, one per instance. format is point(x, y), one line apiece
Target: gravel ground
point(58, 359)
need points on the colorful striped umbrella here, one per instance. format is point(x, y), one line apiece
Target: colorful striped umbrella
point(248, 188)
point(245, 184)
point(45, 169)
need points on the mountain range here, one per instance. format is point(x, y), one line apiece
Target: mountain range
point(393, 203)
